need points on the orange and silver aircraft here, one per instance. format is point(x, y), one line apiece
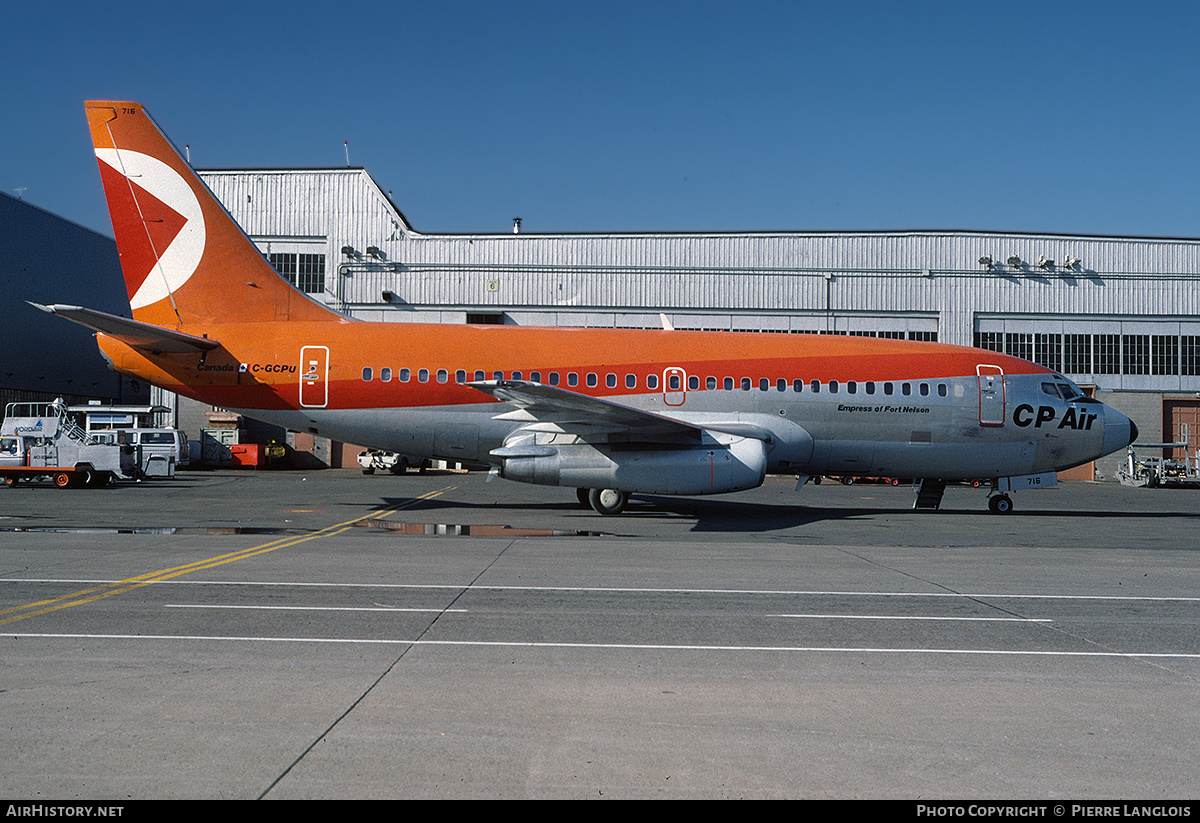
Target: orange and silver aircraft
point(607, 412)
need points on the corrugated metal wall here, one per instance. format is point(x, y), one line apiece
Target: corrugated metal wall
point(805, 278)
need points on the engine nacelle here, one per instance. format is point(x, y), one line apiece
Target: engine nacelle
point(733, 464)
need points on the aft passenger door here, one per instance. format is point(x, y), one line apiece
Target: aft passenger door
point(314, 377)
point(991, 395)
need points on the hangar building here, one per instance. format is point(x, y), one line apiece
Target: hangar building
point(1119, 315)
point(46, 259)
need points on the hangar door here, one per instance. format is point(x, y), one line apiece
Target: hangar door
point(1181, 421)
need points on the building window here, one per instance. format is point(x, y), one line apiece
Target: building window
point(1019, 345)
point(1164, 354)
point(1189, 355)
point(304, 271)
point(1135, 354)
point(1106, 353)
point(989, 340)
point(1077, 353)
point(1047, 351)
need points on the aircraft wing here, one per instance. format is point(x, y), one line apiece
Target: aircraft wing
point(143, 336)
point(548, 408)
point(560, 410)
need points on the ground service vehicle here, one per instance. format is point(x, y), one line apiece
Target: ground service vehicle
point(41, 440)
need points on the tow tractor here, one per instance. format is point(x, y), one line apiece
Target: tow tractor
point(41, 440)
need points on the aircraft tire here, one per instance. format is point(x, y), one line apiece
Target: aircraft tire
point(1000, 504)
point(608, 501)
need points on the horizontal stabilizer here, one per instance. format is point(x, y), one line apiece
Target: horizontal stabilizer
point(142, 336)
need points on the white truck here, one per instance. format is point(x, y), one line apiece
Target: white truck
point(41, 440)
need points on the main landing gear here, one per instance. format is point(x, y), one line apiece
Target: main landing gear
point(603, 501)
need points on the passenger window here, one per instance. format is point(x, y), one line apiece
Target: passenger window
point(443, 375)
point(797, 385)
point(572, 379)
point(535, 376)
point(833, 386)
point(497, 375)
point(480, 376)
point(710, 383)
point(673, 382)
point(405, 375)
point(652, 381)
point(460, 376)
point(728, 384)
point(942, 392)
point(870, 387)
point(924, 389)
point(516, 375)
point(592, 380)
point(815, 386)
point(553, 378)
point(905, 389)
point(745, 384)
point(631, 381)
point(888, 389)
point(385, 374)
point(367, 374)
point(610, 380)
point(851, 387)
point(763, 384)
point(423, 376)
point(693, 382)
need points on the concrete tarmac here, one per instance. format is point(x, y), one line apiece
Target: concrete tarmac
point(326, 634)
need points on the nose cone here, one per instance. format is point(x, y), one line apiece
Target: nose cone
point(1119, 431)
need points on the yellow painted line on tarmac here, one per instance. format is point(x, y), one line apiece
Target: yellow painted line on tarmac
point(84, 596)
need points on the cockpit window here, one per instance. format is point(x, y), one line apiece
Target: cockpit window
point(1050, 389)
point(1068, 391)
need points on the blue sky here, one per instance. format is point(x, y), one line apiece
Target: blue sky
point(1072, 117)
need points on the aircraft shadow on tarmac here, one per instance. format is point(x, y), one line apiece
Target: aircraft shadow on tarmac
point(711, 514)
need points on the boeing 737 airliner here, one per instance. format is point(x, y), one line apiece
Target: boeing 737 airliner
point(608, 412)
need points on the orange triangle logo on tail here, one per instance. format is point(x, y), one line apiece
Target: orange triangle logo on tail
point(184, 258)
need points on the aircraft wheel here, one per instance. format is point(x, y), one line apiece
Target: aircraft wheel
point(582, 496)
point(847, 481)
point(1000, 504)
point(608, 501)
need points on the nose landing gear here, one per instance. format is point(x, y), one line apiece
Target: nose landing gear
point(1000, 504)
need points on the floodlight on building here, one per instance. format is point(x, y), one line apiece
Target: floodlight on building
point(388, 296)
point(1045, 262)
point(349, 251)
point(374, 251)
point(1014, 261)
point(986, 261)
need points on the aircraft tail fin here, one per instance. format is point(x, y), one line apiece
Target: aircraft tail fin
point(185, 260)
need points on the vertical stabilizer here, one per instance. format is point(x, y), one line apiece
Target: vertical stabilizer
point(184, 258)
